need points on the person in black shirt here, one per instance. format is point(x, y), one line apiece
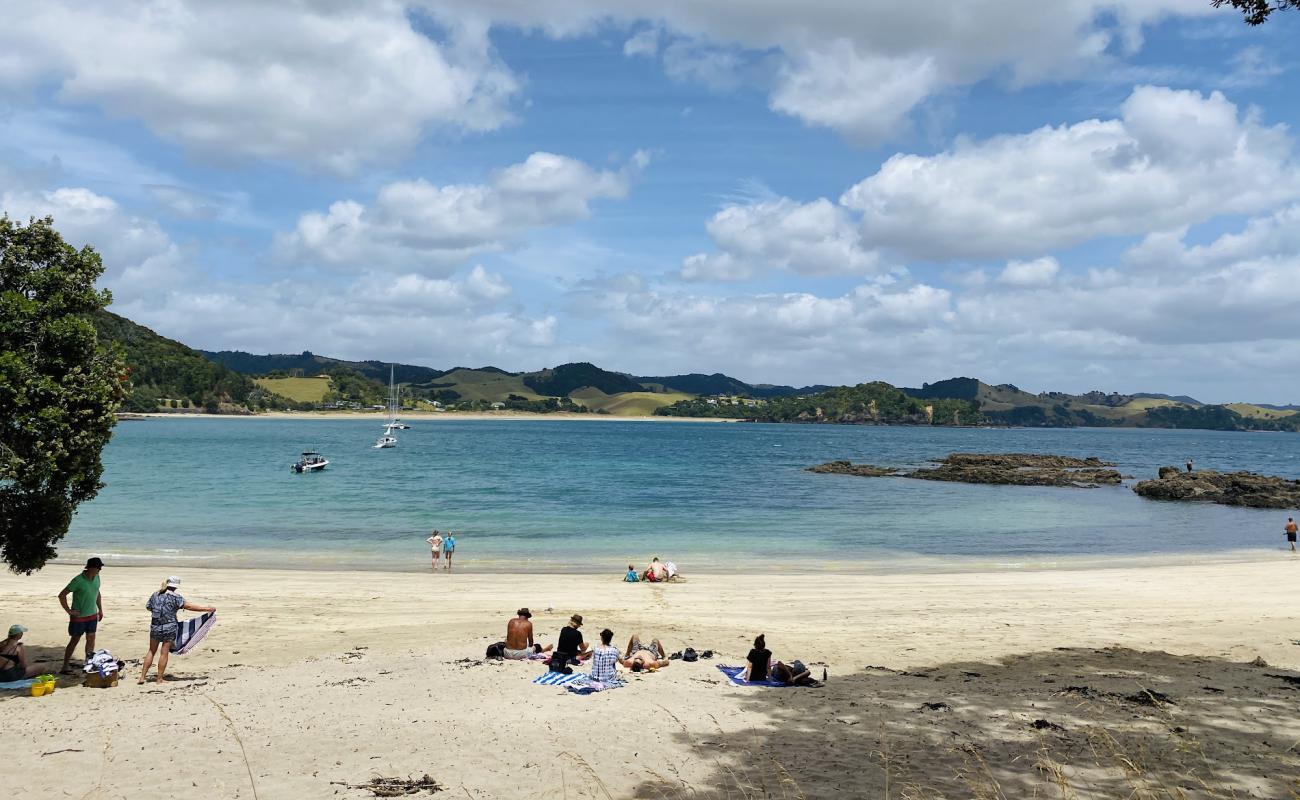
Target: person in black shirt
point(758, 660)
point(571, 646)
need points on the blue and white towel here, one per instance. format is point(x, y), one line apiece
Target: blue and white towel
point(557, 678)
point(736, 675)
point(190, 632)
point(25, 683)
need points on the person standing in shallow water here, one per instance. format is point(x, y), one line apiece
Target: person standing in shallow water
point(449, 547)
point(1291, 529)
point(435, 546)
point(1190, 461)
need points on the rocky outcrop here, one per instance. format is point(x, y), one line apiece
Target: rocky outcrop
point(849, 468)
point(1011, 469)
point(1225, 488)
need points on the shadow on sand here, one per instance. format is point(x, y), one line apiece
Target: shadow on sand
point(1069, 723)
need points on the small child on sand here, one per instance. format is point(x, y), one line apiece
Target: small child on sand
point(630, 577)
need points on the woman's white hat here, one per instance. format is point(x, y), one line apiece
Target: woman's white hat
point(173, 582)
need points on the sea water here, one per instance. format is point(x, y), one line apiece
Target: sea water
point(549, 494)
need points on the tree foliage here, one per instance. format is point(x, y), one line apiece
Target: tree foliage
point(1256, 12)
point(59, 388)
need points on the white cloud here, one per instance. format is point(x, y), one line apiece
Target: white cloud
point(861, 67)
point(866, 97)
point(1173, 158)
point(1039, 272)
point(644, 42)
point(816, 238)
point(417, 225)
point(326, 84)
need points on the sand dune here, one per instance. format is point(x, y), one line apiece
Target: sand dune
point(316, 679)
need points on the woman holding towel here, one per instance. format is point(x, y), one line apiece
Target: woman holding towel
point(163, 605)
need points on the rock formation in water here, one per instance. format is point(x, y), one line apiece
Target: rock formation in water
point(1015, 469)
point(849, 468)
point(1225, 488)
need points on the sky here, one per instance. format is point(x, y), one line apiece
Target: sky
point(1076, 195)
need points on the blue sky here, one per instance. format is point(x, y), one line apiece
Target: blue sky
point(1092, 195)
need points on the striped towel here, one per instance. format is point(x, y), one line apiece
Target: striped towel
point(190, 632)
point(557, 678)
point(736, 675)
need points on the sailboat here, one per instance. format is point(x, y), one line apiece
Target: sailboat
point(388, 439)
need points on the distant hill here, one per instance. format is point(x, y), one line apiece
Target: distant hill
point(719, 384)
point(309, 365)
point(560, 381)
point(875, 403)
point(165, 372)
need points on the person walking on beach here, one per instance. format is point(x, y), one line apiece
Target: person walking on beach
point(162, 606)
point(519, 637)
point(85, 612)
point(435, 546)
point(1291, 532)
point(13, 657)
point(449, 547)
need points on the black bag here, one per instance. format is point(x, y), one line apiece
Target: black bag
point(497, 650)
point(689, 654)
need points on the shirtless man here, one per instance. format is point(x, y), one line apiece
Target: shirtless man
point(519, 637)
point(1291, 529)
point(639, 656)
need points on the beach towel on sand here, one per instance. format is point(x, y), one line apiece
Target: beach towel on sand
point(578, 682)
point(735, 674)
point(556, 678)
point(25, 683)
point(190, 632)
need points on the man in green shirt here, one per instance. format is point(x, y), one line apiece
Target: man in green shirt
point(86, 611)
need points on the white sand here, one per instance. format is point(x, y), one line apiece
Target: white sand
point(344, 676)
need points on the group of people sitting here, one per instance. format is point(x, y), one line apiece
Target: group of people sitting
point(656, 572)
point(572, 650)
point(639, 656)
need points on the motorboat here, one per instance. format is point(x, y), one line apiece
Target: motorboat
point(310, 462)
point(385, 441)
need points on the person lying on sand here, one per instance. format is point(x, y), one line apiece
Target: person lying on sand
point(793, 674)
point(570, 648)
point(13, 657)
point(639, 656)
point(519, 637)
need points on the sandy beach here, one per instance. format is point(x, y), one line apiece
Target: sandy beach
point(951, 685)
point(423, 416)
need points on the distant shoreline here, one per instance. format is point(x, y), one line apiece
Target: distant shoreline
point(422, 416)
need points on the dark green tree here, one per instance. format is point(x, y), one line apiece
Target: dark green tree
point(1256, 12)
point(58, 388)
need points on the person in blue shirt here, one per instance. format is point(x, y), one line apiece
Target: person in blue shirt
point(449, 547)
point(630, 577)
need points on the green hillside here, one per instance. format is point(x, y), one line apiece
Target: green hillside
point(300, 390)
point(166, 375)
point(627, 404)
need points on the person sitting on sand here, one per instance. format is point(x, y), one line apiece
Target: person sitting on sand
point(519, 637)
point(630, 577)
point(792, 674)
point(570, 648)
point(642, 657)
point(13, 657)
point(758, 660)
point(604, 659)
point(163, 605)
point(656, 572)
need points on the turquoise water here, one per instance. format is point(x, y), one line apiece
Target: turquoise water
point(555, 494)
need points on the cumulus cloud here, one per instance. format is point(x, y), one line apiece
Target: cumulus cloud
point(329, 85)
point(420, 226)
point(816, 238)
point(860, 67)
point(1038, 272)
point(1173, 158)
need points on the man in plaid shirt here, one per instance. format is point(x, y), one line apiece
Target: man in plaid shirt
point(604, 660)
